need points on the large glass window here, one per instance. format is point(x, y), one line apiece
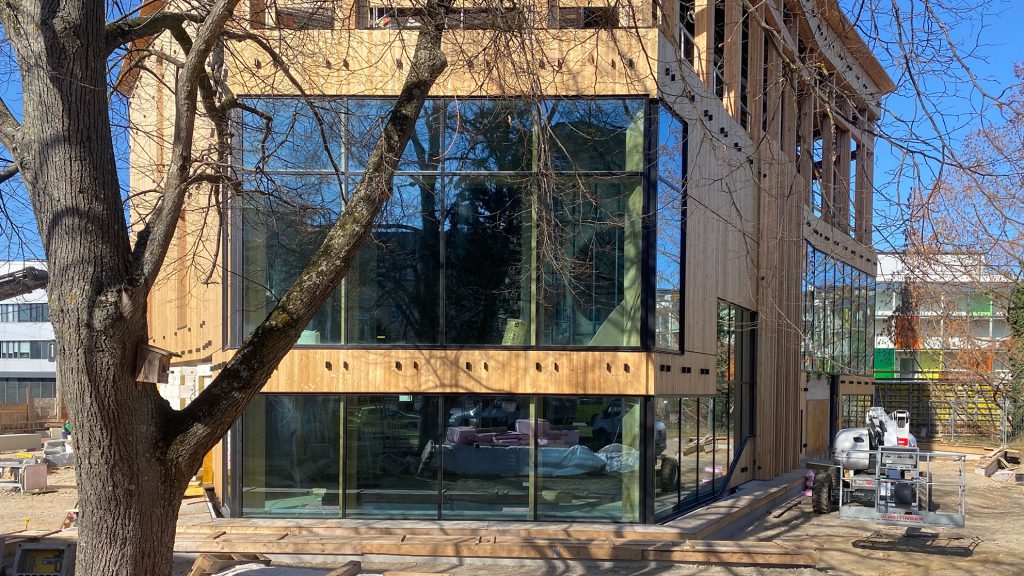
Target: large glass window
point(594, 135)
point(487, 272)
point(733, 404)
point(292, 455)
point(668, 448)
point(489, 136)
point(394, 285)
point(510, 222)
point(24, 390)
point(286, 218)
point(839, 315)
point(589, 458)
point(456, 456)
point(24, 313)
point(671, 206)
point(592, 274)
point(486, 457)
point(389, 443)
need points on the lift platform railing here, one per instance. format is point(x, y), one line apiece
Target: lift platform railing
point(904, 490)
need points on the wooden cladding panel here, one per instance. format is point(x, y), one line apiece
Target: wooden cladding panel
point(683, 375)
point(390, 371)
point(373, 63)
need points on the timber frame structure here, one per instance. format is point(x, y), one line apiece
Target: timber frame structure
point(778, 100)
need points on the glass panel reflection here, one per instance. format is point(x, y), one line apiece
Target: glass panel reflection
point(389, 441)
point(292, 456)
point(594, 134)
point(487, 295)
point(489, 136)
point(693, 445)
point(393, 287)
point(486, 457)
point(288, 136)
point(285, 219)
point(668, 446)
point(366, 121)
point(588, 458)
point(592, 272)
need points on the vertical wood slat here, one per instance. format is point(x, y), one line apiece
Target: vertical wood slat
point(755, 65)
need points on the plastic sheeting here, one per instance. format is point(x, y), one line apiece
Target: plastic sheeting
point(552, 461)
point(620, 459)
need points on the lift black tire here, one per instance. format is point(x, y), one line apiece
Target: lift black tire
point(821, 493)
point(668, 477)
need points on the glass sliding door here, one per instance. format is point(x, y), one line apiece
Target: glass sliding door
point(486, 457)
point(292, 456)
point(390, 441)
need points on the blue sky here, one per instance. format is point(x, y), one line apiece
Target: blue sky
point(961, 108)
point(994, 36)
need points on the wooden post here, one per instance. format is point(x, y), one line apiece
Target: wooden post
point(703, 40)
point(731, 54)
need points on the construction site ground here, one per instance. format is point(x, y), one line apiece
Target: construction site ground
point(991, 543)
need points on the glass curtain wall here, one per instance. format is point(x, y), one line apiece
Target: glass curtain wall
point(839, 316)
point(292, 456)
point(697, 440)
point(513, 457)
point(510, 222)
point(671, 210)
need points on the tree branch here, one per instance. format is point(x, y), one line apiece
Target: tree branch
point(8, 127)
point(152, 242)
point(8, 173)
point(125, 31)
point(207, 418)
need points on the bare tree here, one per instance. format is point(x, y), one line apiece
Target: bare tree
point(136, 454)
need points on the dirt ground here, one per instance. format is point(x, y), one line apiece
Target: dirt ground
point(43, 511)
point(990, 544)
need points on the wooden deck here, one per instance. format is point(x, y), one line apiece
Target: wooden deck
point(680, 541)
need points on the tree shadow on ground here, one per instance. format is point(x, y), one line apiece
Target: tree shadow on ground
point(915, 540)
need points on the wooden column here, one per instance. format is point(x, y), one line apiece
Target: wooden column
point(806, 127)
point(732, 55)
point(703, 39)
point(755, 69)
point(828, 165)
point(841, 191)
point(866, 184)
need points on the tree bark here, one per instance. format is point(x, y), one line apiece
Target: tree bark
point(136, 454)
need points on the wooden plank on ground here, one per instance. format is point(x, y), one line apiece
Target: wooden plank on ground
point(602, 549)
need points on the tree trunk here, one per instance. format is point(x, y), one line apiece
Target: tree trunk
point(128, 493)
point(136, 454)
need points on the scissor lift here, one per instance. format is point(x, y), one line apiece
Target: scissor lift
point(901, 489)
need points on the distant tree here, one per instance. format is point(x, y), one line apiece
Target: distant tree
point(1015, 387)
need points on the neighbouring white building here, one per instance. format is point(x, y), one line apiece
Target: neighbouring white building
point(28, 352)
